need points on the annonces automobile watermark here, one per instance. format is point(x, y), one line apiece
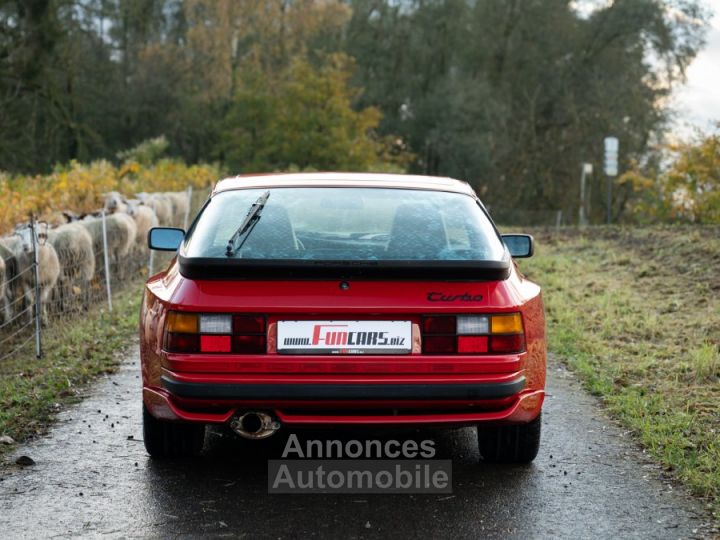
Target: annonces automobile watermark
point(359, 466)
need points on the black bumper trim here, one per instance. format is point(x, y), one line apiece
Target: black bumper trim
point(359, 391)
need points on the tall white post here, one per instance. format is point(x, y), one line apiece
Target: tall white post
point(151, 263)
point(38, 300)
point(106, 256)
point(587, 170)
point(612, 146)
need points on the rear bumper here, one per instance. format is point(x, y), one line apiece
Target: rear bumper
point(360, 392)
point(310, 403)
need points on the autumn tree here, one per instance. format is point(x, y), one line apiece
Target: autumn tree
point(302, 117)
point(510, 95)
point(513, 96)
point(687, 190)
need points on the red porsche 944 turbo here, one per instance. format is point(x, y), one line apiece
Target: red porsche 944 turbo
point(342, 299)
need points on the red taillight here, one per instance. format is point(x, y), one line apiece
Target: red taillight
point(439, 344)
point(215, 344)
point(249, 344)
point(472, 344)
point(215, 333)
point(182, 343)
point(439, 325)
point(485, 333)
point(248, 324)
point(513, 343)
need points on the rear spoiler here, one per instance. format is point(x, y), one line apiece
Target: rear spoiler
point(256, 269)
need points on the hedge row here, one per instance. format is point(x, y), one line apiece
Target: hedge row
point(79, 187)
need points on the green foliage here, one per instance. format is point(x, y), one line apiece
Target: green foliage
point(514, 96)
point(147, 152)
point(686, 190)
point(301, 117)
point(81, 187)
point(692, 185)
point(510, 95)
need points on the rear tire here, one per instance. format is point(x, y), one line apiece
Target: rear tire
point(165, 439)
point(510, 444)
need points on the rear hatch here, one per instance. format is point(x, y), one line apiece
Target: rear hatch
point(354, 279)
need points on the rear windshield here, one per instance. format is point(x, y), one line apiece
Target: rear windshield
point(346, 224)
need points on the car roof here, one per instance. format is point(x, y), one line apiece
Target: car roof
point(338, 179)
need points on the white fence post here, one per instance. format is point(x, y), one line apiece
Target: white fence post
point(36, 276)
point(106, 256)
point(189, 205)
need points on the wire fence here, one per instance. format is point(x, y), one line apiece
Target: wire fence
point(49, 276)
point(516, 217)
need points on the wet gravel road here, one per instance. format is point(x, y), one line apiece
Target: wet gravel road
point(93, 478)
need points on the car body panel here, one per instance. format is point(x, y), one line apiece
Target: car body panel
point(356, 299)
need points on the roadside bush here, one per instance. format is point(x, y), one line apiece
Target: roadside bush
point(80, 187)
point(687, 190)
point(302, 118)
point(147, 152)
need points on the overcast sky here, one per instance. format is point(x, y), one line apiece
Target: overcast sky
point(698, 102)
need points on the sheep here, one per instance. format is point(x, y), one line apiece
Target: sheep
point(131, 228)
point(48, 267)
point(10, 265)
point(115, 202)
point(145, 219)
point(55, 218)
point(127, 223)
point(16, 274)
point(121, 234)
point(180, 204)
point(70, 217)
point(161, 205)
point(9, 276)
point(74, 247)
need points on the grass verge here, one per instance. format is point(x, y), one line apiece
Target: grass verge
point(637, 314)
point(33, 390)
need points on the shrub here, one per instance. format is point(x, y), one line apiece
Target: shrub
point(80, 187)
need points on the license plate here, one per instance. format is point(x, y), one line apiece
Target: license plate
point(344, 337)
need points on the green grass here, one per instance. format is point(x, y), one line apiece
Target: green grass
point(636, 313)
point(76, 351)
point(705, 361)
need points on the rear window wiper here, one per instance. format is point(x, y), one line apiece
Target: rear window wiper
point(246, 227)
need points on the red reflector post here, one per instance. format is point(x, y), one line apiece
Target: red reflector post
point(514, 343)
point(248, 344)
point(439, 344)
point(472, 344)
point(182, 343)
point(215, 344)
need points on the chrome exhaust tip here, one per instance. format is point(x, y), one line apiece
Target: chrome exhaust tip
point(255, 425)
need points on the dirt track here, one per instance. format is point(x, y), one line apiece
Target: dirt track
point(93, 478)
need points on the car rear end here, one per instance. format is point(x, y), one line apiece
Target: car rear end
point(266, 342)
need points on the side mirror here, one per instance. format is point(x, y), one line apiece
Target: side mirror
point(165, 238)
point(519, 245)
